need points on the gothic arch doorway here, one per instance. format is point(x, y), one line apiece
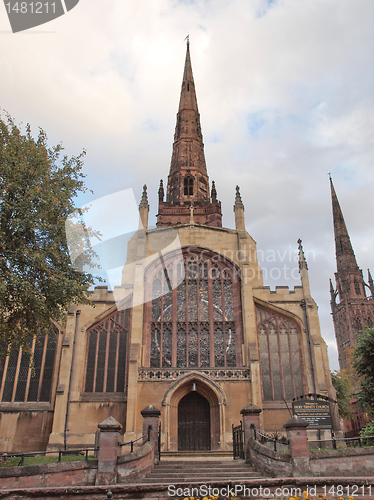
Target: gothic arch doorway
point(194, 423)
point(211, 392)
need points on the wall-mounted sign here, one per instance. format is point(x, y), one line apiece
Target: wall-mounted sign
point(316, 413)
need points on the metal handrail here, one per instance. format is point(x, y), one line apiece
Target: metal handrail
point(334, 440)
point(131, 443)
point(26, 454)
point(263, 436)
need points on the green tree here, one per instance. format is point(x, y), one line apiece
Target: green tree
point(344, 390)
point(38, 282)
point(364, 367)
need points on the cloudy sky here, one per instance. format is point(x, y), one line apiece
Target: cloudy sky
point(285, 94)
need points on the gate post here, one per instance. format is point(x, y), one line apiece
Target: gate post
point(251, 416)
point(108, 451)
point(299, 447)
point(150, 416)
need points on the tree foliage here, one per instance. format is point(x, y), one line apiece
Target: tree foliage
point(38, 282)
point(344, 389)
point(364, 366)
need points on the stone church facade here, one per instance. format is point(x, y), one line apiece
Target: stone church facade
point(191, 330)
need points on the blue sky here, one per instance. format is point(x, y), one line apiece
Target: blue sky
point(285, 94)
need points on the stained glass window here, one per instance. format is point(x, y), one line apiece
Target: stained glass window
point(197, 321)
point(19, 382)
point(106, 354)
point(280, 355)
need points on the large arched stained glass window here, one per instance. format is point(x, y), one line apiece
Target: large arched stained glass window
point(193, 317)
point(280, 354)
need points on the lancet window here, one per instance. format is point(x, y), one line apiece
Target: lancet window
point(106, 354)
point(194, 314)
point(22, 383)
point(188, 185)
point(280, 354)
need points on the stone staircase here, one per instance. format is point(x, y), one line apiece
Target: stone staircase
point(199, 471)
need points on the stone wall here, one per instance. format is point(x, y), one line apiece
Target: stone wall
point(268, 462)
point(82, 473)
point(346, 462)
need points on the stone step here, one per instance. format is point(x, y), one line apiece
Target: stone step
point(198, 474)
point(151, 480)
point(202, 467)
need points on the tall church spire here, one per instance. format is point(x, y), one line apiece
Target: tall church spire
point(345, 257)
point(188, 147)
point(188, 181)
point(353, 309)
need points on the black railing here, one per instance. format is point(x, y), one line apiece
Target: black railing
point(159, 442)
point(83, 452)
point(237, 441)
point(354, 441)
point(131, 443)
point(263, 438)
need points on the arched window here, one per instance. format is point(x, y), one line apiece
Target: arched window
point(357, 286)
point(188, 185)
point(106, 354)
point(194, 312)
point(280, 354)
point(19, 382)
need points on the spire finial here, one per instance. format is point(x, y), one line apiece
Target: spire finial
point(238, 200)
point(213, 193)
point(188, 41)
point(302, 260)
point(161, 191)
point(371, 283)
point(144, 200)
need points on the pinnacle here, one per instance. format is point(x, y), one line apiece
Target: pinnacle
point(144, 200)
point(302, 260)
point(238, 200)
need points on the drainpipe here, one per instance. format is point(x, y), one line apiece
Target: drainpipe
point(303, 306)
point(77, 313)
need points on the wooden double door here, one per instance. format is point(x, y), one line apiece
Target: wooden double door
point(194, 423)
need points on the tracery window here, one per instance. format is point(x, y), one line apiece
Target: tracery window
point(19, 382)
point(194, 314)
point(188, 185)
point(280, 354)
point(106, 354)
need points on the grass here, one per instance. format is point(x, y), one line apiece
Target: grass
point(43, 459)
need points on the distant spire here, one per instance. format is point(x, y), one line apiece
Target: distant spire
point(302, 261)
point(345, 256)
point(144, 200)
point(238, 200)
point(371, 284)
point(213, 193)
point(161, 191)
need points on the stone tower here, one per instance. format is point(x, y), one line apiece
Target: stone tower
point(352, 309)
point(187, 195)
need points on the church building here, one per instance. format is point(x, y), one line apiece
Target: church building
point(191, 330)
point(352, 308)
